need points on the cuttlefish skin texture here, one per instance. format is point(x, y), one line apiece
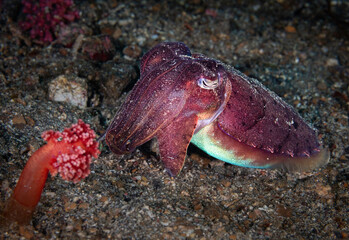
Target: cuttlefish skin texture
point(183, 97)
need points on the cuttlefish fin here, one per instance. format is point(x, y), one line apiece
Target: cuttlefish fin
point(173, 142)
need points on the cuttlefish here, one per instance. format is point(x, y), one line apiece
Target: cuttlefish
point(183, 97)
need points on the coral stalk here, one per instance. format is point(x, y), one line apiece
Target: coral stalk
point(68, 153)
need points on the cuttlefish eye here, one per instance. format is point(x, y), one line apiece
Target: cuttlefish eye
point(208, 83)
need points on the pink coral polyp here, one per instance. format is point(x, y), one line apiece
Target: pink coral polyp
point(75, 164)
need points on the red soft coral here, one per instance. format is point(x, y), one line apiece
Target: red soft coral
point(68, 153)
point(43, 17)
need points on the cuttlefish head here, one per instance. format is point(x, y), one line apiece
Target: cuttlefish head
point(178, 94)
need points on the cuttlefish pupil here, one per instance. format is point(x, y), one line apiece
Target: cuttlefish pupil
point(183, 97)
point(207, 83)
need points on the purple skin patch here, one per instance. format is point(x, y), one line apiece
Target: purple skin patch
point(232, 117)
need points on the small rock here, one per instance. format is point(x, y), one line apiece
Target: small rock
point(69, 33)
point(50, 194)
point(84, 205)
point(165, 222)
point(5, 185)
point(185, 193)
point(226, 183)
point(331, 62)
point(19, 121)
point(102, 215)
point(197, 205)
point(199, 232)
point(69, 227)
point(69, 206)
point(29, 121)
point(104, 199)
point(70, 89)
point(323, 191)
point(20, 101)
point(265, 224)
point(322, 86)
point(107, 29)
point(204, 162)
point(344, 235)
point(156, 7)
point(93, 230)
point(232, 237)
point(117, 33)
point(283, 211)
point(290, 29)
point(99, 48)
point(212, 212)
point(26, 232)
point(211, 12)
point(132, 51)
point(255, 214)
point(115, 77)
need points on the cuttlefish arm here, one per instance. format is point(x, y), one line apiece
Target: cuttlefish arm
point(173, 142)
point(177, 94)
